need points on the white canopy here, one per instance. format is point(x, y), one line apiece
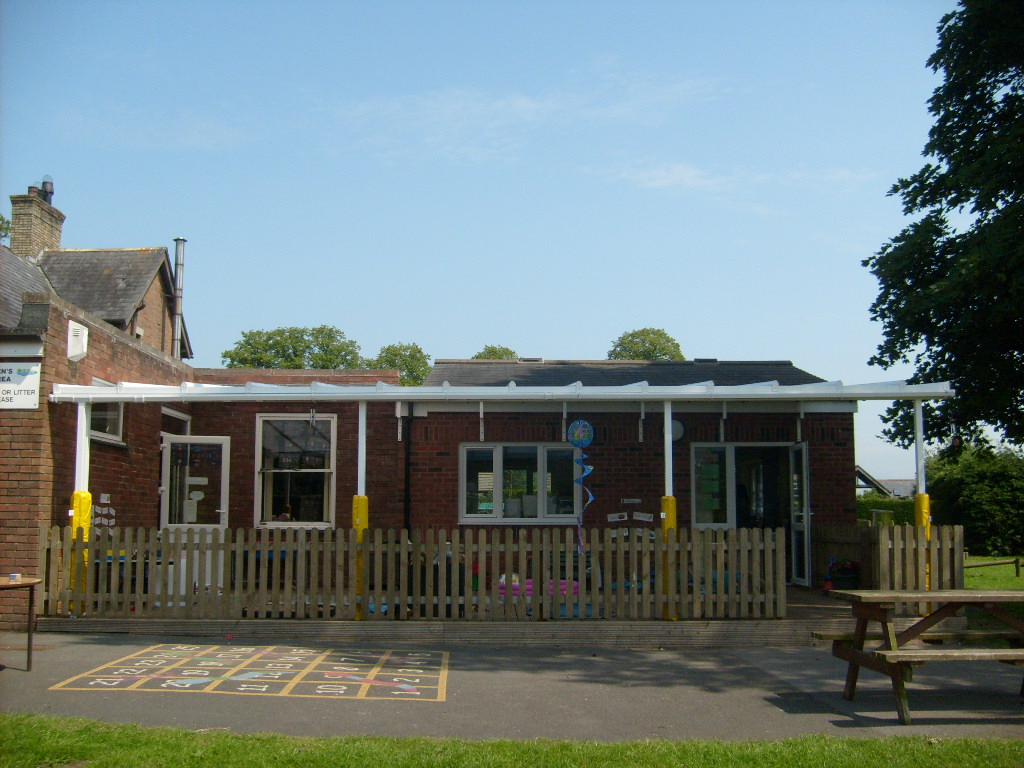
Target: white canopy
point(191, 392)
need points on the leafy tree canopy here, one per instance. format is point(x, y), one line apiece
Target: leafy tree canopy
point(411, 361)
point(496, 352)
point(951, 297)
point(983, 490)
point(645, 344)
point(5, 228)
point(322, 347)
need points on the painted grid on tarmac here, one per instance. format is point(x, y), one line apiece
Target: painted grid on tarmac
point(279, 670)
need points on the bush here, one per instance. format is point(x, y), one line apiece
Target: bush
point(983, 490)
point(902, 509)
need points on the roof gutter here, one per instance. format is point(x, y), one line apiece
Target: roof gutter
point(381, 392)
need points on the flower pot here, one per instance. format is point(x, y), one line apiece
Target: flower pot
point(845, 580)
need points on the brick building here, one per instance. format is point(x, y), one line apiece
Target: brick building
point(102, 402)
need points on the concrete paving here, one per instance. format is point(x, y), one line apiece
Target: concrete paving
point(556, 692)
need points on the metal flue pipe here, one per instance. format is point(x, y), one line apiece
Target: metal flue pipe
point(179, 269)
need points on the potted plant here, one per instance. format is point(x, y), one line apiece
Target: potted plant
point(842, 573)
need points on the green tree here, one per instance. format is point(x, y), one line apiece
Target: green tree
point(5, 228)
point(951, 299)
point(409, 359)
point(322, 347)
point(645, 344)
point(496, 352)
point(983, 490)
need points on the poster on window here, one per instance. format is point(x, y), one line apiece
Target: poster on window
point(19, 385)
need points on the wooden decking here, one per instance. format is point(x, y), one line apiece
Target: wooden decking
point(808, 611)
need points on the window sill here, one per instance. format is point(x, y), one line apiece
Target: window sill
point(567, 520)
point(98, 437)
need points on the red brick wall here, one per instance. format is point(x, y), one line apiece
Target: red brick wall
point(384, 470)
point(625, 467)
point(37, 448)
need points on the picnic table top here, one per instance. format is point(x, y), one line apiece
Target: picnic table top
point(930, 595)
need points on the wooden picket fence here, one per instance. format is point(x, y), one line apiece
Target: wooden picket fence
point(895, 556)
point(463, 574)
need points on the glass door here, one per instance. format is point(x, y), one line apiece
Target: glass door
point(799, 517)
point(194, 481)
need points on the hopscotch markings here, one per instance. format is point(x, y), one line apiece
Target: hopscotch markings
point(273, 671)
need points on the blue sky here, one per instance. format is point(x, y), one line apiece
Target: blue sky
point(541, 175)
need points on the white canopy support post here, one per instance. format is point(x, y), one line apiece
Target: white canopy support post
point(82, 447)
point(398, 418)
point(81, 500)
point(361, 452)
point(919, 445)
point(669, 490)
point(668, 507)
point(922, 504)
point(481, 421)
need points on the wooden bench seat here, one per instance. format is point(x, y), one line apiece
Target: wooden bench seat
point(965, 635)
point(923, 655)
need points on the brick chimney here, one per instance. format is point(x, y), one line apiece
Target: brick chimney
point(35, 224)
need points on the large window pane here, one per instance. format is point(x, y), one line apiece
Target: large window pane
point(296, 444)
point(560, 487)
point(710, 486)
point(479, 488)
point(519, 480)
point(296, 462)
point(295, 497)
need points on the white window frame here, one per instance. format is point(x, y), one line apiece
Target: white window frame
point(730, 475)
point(116, 437)
point(330, 472)
point(496, 517)
point(181, 416)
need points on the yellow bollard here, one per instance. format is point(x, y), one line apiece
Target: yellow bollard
point(81, 517)
point(923, 519)
point(360, 522)
point(668, 523)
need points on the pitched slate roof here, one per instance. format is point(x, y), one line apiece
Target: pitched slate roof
point(610, 373)
point(17, 277)
point(110, 284)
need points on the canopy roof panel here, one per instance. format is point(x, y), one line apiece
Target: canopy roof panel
point(191, 392)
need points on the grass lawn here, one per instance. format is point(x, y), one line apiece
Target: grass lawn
point(993, 577)
point(34, 741)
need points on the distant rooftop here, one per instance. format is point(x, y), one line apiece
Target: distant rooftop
point(536, 372)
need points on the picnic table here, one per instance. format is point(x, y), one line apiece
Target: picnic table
point(894, 658)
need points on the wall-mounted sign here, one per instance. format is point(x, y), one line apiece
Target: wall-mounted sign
point(19, 385)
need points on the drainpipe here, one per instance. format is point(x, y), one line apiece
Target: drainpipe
point(179, 272)
point(407, 500)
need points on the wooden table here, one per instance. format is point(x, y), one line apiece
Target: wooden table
point(30, 585)
point(895, 659)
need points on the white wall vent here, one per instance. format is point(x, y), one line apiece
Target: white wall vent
point(78, 341)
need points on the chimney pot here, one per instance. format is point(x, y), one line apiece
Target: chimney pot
point(35, 224)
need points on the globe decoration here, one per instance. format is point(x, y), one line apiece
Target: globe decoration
point(580, 434)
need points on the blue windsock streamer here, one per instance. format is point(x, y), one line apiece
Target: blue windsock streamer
point(580, 434)
point(586, 469)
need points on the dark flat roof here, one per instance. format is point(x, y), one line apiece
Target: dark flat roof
point(597, 373)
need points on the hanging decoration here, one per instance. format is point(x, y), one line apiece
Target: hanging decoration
point(580, 434)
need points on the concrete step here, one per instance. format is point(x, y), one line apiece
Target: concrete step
point(605, 634)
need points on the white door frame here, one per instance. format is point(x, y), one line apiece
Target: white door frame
point(799, 515)
point(165, 474)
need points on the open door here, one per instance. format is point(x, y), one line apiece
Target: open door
point(194, 481)
point(799, 517)
point(194, 494)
